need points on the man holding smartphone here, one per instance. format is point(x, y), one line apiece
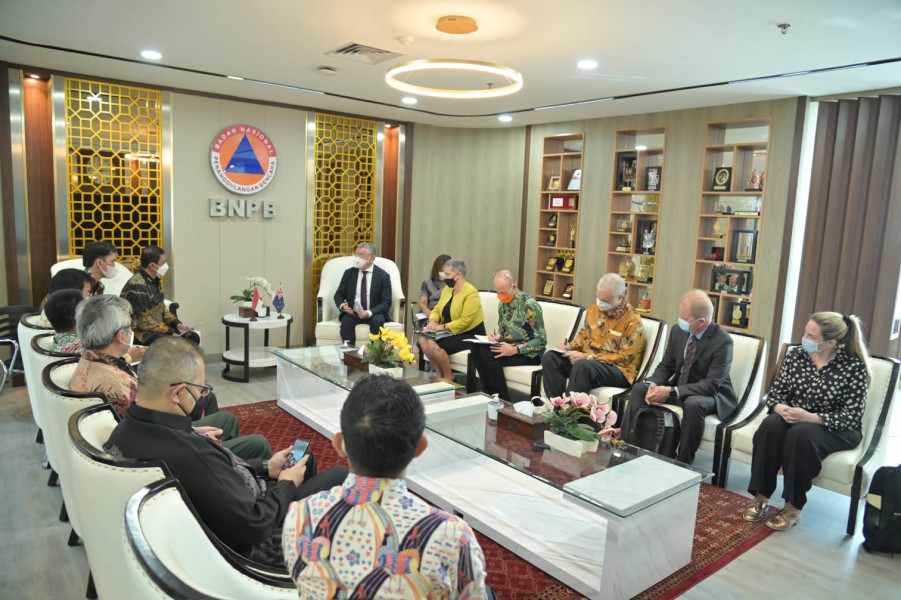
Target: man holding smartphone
point(243, 502)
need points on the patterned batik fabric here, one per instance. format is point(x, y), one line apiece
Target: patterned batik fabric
point(148, 308)
point(68, 343)
point(616, 339)
point(521, 323)
point(837, 392)
point(370, 538)
point(113, 377)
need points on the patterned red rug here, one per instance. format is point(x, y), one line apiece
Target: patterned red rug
point(721, 534)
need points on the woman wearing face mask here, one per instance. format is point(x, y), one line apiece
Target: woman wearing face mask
point(458, 312)
point(431, 288)
point(816, 404)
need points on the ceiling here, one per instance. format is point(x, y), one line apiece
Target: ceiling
point(648, 52)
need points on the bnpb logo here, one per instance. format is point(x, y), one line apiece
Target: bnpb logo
point(243, 159)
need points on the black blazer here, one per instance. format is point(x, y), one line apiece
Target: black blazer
point(379, 290)
point(709, 375)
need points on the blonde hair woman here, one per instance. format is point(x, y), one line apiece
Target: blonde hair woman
point(816, 405)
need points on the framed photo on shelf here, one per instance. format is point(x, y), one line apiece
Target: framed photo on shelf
point(652, 175)
point(625, 172)
point(557, 202)
point(744, 245)
point(730, 281)
point(722, 179)
point(553, 183)
point(551, 239)
point(575, 181)
point(568, 292)
point(548, 287)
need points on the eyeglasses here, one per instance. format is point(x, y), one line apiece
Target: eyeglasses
point(204, 389)
point(132, 325)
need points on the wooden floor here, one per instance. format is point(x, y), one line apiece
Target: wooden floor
point(813, 560)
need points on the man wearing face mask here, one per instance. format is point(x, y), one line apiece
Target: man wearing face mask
point(607, 351)
point(364, 294)
point(518, 340)
point(145, 294)
point(693, 374)
point(99, 259)
point(244, 502)
point(104, 326)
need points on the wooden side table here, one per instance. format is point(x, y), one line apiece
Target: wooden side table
point(252, 356)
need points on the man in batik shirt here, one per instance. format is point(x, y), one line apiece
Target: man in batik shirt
point(370, 535)
point(518, 340)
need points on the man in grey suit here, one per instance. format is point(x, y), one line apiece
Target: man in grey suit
point(693, 374)
point(364, 294)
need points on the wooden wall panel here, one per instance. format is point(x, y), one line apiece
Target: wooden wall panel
point(9, 294)
point(39, 181)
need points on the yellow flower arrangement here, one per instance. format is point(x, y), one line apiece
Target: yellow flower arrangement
point(388, 348)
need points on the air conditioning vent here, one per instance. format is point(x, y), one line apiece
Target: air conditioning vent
point(363, 54)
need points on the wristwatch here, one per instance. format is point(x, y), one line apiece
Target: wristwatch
point(672, 393)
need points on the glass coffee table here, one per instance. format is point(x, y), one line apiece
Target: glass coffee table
point(609, 524)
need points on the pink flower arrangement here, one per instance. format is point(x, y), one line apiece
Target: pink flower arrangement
point(581, 416)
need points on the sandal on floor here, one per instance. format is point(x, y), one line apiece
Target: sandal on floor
point(783, 521)
point(755, 512)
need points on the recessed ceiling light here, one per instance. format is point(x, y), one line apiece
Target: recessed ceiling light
point(641, 147)
point(409, 100)
point(151, 54)
point(34, 75)
point(587, 64)
point(235, 77)
point(505, 118)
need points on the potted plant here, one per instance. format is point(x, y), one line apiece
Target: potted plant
point(246, 297)
point(576, 422)
point(386, 353)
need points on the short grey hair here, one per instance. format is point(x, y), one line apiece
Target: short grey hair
point(169, 359)
point(616, 284)
point(699, 304)
point(458, 265)
point(370, 247)
point(99, 318)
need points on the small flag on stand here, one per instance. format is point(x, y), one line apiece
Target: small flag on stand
point(257, 302)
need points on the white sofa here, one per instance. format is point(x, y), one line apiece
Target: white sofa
point(848, 472)
point(328, 327)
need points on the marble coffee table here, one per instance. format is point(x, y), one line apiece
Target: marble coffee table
point(609, 524)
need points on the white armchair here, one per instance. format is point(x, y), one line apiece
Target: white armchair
point(654, 334)
point(28, 329)
point(178, 553)
point(848, 472)
point(110, 286)
point(328, 327)
point(561, 321)
point(460, 360)
point(747, 375)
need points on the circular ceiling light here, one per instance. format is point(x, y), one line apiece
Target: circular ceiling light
point(151, 54)
point(586, 64)
point(511, 79)
point(456, 24)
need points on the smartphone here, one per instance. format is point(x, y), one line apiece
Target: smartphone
point(297, 452)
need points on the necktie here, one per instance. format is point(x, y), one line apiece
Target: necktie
point(364, 295)
point(690, 349)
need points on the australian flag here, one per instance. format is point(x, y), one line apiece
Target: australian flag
point(279, 301)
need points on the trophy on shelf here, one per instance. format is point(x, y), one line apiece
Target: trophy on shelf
point(755, 181)
point(572, 235)
point(644, 303)
point(719, 229)
point(649, 239)
point(627, 269)
point(629, 177)
point(625, 244)
point(552, 221)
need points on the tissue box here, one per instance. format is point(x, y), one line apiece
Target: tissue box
point(355, 361)
point(531, 428)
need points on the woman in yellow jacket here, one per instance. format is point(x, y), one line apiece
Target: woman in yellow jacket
point(457, 316)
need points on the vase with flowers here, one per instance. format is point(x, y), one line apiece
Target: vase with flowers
point(386, 353)
point(576, 422)
point(246, 309)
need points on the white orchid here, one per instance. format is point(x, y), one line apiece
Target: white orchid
point(261, 283)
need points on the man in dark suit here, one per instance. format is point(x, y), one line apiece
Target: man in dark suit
point(364, 294)
point(693, 374)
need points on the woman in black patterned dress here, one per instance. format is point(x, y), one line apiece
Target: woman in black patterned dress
point(816, 405)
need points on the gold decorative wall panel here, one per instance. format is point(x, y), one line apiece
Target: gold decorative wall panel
point(113, 148)
point(344, 187)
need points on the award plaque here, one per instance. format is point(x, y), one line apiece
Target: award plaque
point(552, 263)
point(755, 181)
point(553, 183)
point(624, 244)
point(548, 287)
point(568, 292)
point(551, 239)
point(744, 246)
point(568, 265)
point(575, 182)
point(722, 179)
point(653, 178)
point(738, 317)
point(552, 221)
